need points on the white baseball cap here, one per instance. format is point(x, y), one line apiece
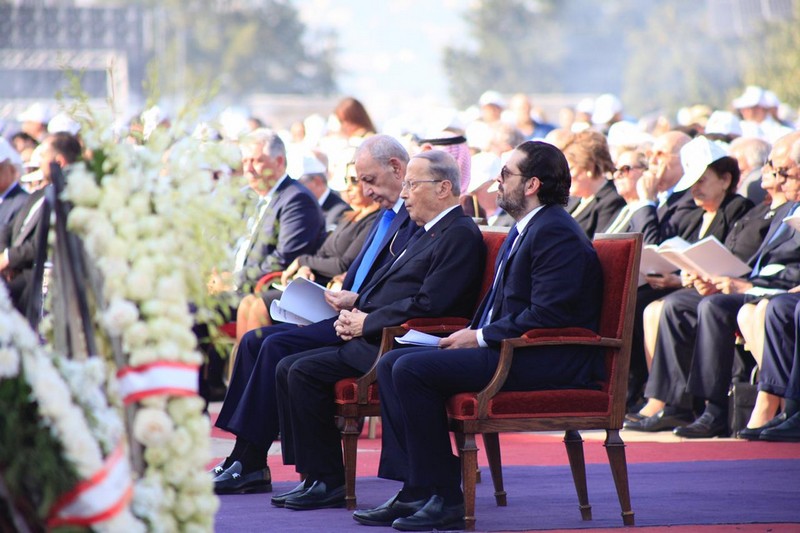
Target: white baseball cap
point(696, 155)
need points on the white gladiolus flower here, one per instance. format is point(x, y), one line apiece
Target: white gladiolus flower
point(152, 427)
point(120, 315)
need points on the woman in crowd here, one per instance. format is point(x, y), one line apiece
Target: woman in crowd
point(595, 202)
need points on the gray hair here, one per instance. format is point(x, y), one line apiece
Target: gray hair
point(382, 148)
point(271, 142)
point(755, 151)
point(442, 166)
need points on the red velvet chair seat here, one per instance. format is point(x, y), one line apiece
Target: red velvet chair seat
point(568, 402)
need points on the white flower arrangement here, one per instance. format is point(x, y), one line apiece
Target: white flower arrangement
point(68, 403)
point(156, 224)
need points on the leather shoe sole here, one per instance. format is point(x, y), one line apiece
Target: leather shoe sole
point(387, 513)
point(434, 515)
point(317, 496)
point(280, 499)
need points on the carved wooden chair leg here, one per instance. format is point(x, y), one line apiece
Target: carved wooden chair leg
point(469, 465)
point(491, 442)
point(350, 448)
point(574, 444)
point(460, 444)
point(615, 448)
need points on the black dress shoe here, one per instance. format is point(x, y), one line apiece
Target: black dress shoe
point(704, 427)
point(788, 431)
point(388, 512)
point(634, 417)
point(433, 515)
point(232, 481)
point(280, 499)
point(661, 421)
point(217, 470)
point(755, 433)
point(317, 496)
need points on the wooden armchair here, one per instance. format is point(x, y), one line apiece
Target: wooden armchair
point(491, 411)
point(358, 397)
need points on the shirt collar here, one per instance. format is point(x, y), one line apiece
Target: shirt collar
point(438, 217)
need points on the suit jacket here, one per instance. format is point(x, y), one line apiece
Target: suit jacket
point(781, 251)
point(400, 231)
point(749, 231)
point(669, 220)
point(439, 274)
point(552, 279)
point(292, 224)
point(332, 209)
point(19, 238)
point(733, 208)
point(601, 211)
point(11, 204)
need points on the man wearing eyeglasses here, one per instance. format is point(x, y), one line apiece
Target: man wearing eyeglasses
point(547, 276)
point(437, 274)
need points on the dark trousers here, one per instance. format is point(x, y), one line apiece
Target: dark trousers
point(780, 365)
point(305, 392)
point(250, 408)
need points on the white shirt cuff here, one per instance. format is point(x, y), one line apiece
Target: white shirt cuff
point(481, 342)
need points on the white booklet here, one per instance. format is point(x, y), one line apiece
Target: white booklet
point(417, 338)
point(707, 258)
point(303, 302)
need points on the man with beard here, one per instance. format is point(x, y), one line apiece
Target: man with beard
point(547, 276)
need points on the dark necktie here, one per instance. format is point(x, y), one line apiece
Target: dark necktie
point(485, 316)
point(372, 250)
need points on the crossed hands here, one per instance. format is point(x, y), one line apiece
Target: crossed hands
point(350, 324)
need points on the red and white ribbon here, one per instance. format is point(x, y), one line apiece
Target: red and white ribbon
point(98, 498)
point(164, 377)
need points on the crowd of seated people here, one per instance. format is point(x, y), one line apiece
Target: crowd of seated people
point(341, 207)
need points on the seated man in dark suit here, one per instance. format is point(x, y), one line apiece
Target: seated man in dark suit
point(438, 274)
point(18, 246)
point(12, 195)
point(548, 275)
point(285, 222)
point(250, 409)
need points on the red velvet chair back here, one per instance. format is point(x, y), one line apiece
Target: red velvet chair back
point(493, 239)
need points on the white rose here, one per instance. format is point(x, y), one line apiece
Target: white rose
point(177, 469)
point(135, 336)
point(156, 456)
point(120, 315)
point(9, 363)
point(82, 189)
point(184, 507)
point(181, 442)
point(152, 427)
point(140, 284)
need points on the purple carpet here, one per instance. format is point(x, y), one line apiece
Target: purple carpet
point(543, 497)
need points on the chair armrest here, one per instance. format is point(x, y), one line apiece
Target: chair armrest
point(436, 325)
point(536, 337)
point(425, 325)
point(266, 278)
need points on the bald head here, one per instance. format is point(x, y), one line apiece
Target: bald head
point(784, 163)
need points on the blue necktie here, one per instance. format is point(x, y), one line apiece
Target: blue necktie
point(778, 232)
point(512, 236)
point(372, 251)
